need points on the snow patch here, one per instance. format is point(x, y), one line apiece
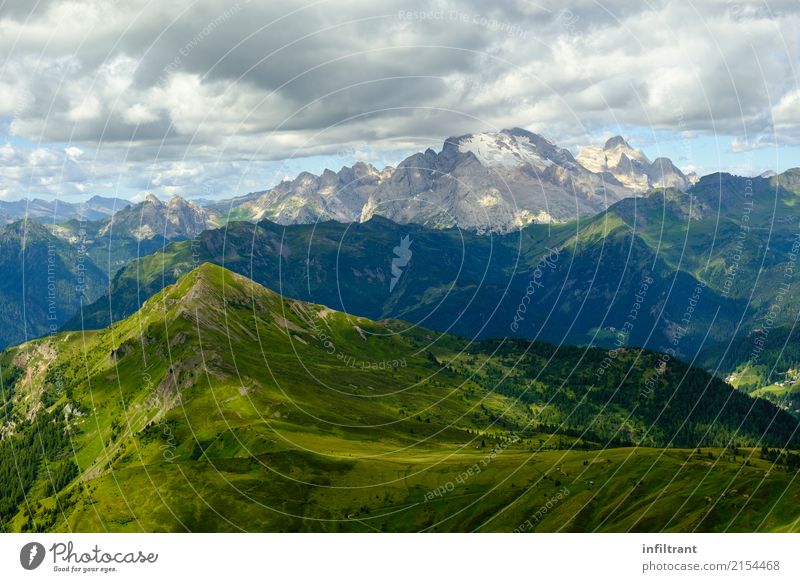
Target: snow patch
point(503, 149)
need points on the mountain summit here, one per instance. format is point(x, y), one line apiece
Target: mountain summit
point(615, 142)
point(330, 196)
point(497, 181)
point(631, 167)
point(56, 211)
point(178, 218)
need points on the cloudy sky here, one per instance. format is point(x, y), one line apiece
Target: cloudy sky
point(217, 98)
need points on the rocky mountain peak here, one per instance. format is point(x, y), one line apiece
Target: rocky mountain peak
point(151, 198)
point(616, 141)
point(176, 219)
point(631, 167)
point(180, 202)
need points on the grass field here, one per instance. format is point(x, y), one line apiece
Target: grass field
point(430, 489)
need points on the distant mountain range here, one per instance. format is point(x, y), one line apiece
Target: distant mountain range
point(467, 281)
point(498, 181)
point(56, 211)
point(178, 218)
point(484, 182)
point(145, 220)
point(632, 168)
point(400, 328)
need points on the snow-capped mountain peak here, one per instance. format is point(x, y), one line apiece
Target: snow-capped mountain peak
point(501, 149)
point(511, 147)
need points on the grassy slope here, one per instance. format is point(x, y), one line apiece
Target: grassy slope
point(190, 420)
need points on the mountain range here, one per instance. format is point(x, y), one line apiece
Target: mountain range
point(177, 218)
point(496, 181)
point(484, 182)
point(669, 271)
point(632, 168)
point(341, 352)
point(56, 211)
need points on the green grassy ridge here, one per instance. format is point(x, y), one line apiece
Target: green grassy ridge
point(118, 404)
point(183, 417)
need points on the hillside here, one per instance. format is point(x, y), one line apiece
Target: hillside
point(764, 363)
point(223, 406)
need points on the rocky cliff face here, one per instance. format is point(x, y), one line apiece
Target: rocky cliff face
point(492, 182)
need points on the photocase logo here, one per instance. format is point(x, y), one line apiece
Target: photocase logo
point(31, 555)
point(402, 256)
